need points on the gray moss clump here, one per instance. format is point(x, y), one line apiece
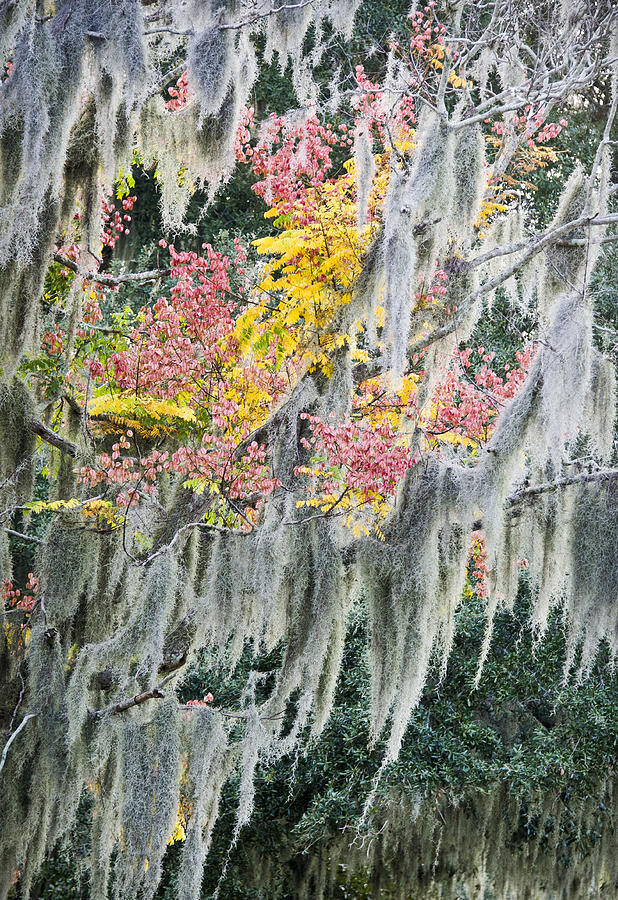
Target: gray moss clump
point(17, 443)
point(485, 846)
point(71, 104)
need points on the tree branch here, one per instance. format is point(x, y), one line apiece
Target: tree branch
point(536, 490)
point(155, 693)
point(12, 738)
point(24, 537)
point(532, 246)
point(53, 438)
point(272, 11)
point(537, 243)
point(113, 280)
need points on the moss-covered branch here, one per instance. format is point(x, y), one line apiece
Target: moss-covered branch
point(105, 278)
point(52, 437)
point(537, 490)
point(154, 693)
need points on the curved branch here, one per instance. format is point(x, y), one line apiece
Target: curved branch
point(53, 438)
point(13, 736)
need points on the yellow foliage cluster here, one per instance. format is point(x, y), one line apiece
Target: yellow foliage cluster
point(96, 511)
point(185, 809)
point(527, 158)
point(374, 411)
point(38, 506)
point(314, 262)
point(102, 513)
point(358, 512)
point(147, 416)
point(438, 53)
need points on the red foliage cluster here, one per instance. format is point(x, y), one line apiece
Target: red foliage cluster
point(466, 404)
point(115, 222)
point(14, 598)
point(370, 456)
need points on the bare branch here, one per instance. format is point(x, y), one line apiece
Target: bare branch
point(155, 693)
point(53, 438)
point(24, 537)
point(112, 280)
point(271, 12)
point(536, 490)
point(539, 241)
point(13, 736)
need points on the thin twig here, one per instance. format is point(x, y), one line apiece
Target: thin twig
point(24, 537)
point(12, 738)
